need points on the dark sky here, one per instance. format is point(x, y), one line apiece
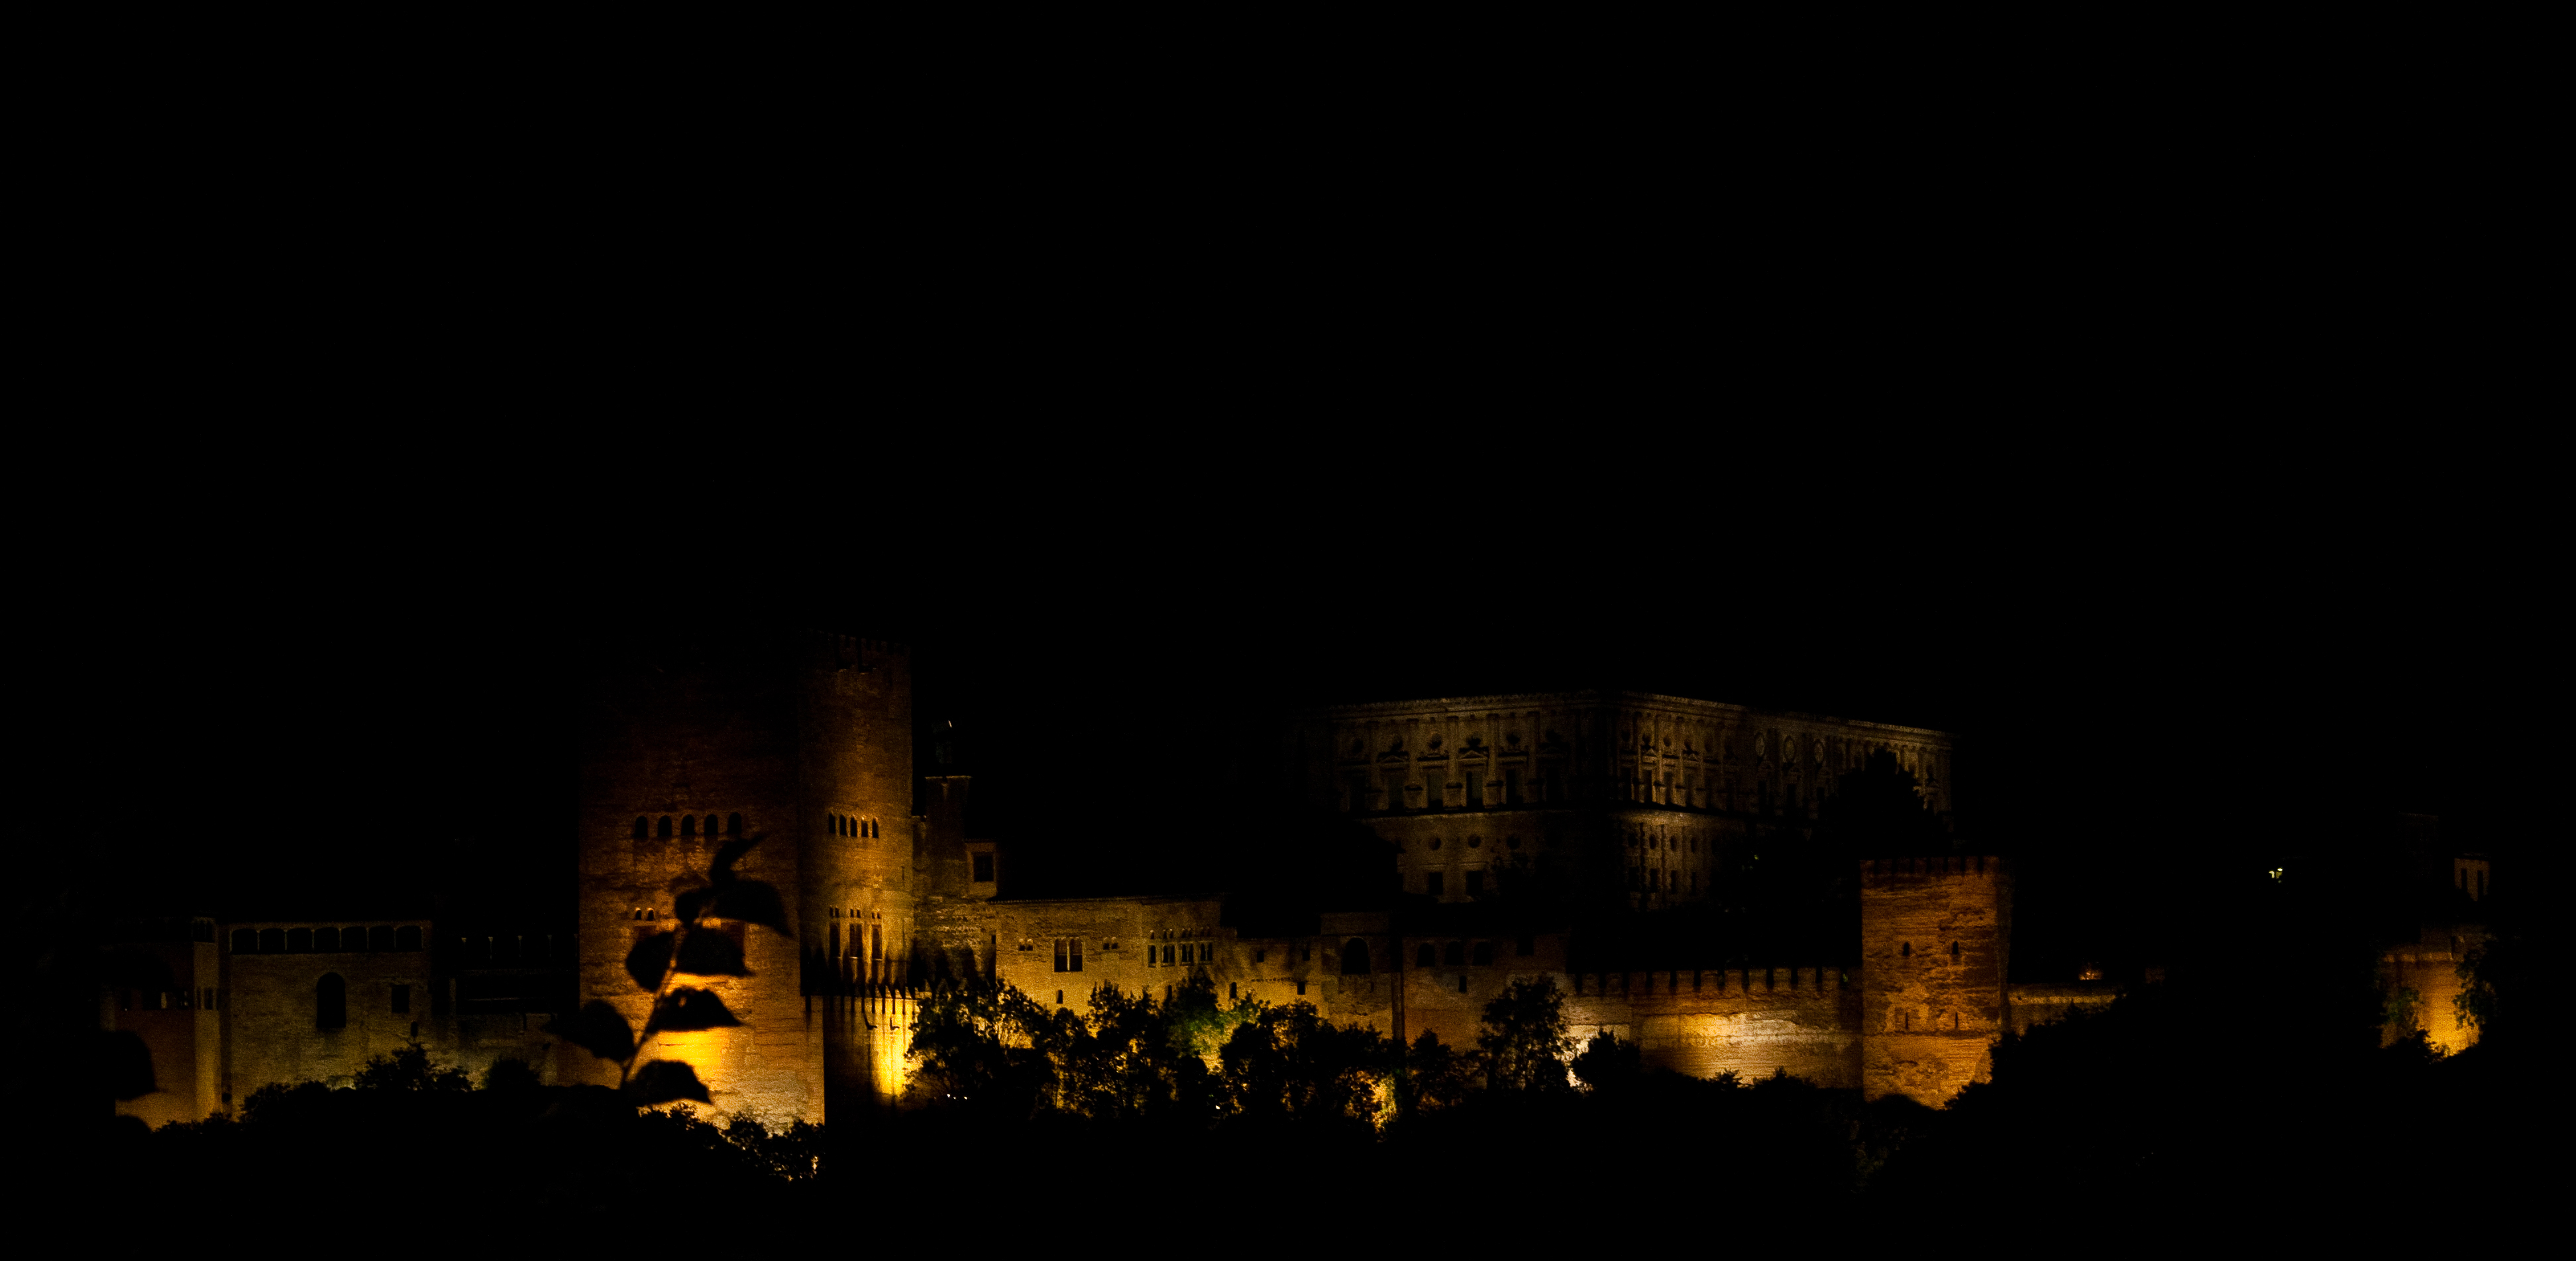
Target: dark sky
point(359, 700)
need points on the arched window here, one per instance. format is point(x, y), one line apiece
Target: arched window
point(331, 1002)
point(688, 825)
point(1484, 953)
point(299, 941)
point(245, 941)
point(407, 937)
point(381, 937)
point(840, 826)
point(1454, 954)
point(1355, 960)
point(872, 829)
point(733, 824)
point(1426, 956)
point(642, 827)
point(1954, 952)
point(1905, 950)
point(354, 938)
point(326, 940)
point(272, 941)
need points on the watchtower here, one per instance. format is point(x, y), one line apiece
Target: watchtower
point(691, 740)
point(1936, 940)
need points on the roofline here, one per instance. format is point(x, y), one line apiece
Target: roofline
point(1504, 700)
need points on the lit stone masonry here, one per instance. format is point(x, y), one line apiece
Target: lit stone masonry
point(2430, 966)
point(1935, 936)
point(805, 741)
point(1631, 799)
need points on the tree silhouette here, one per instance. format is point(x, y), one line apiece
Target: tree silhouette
point(1878, 810)
point(1524, 1038)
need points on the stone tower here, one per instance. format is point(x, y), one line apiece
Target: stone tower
point(805, 741)
point(1935, 941)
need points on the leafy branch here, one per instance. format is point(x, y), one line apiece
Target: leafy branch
point(659, 959)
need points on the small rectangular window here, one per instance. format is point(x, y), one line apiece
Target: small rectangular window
point(402, 1000)
point(1301, 985)
point(1059, 954)
point(983, 869)
point(1077, 954)
point(1167, 955)
point(1260, 955)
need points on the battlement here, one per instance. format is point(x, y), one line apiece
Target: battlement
point(852, 649)
point(1887, 872)
point(1737, 980)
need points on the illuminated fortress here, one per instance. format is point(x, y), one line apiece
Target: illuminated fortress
point(1616, 804)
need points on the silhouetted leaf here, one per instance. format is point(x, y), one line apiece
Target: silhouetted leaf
point(687, 1007)
point(686, 881)
point(126, 1065)
point(721, 870)
point(752, 902)
point(692, 903)
point(663, 1081)
point(707, 953)
point(598, 1029)
point(649, 960)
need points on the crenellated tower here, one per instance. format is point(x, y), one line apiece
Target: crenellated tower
point(1936, 939)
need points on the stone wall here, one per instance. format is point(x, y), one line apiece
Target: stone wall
point(2430, 966)
point(176, 1011)
point(271, 1017)
point(1752, 1022)
point(2028, 1006)
point(1935, 936)
point(805, 741)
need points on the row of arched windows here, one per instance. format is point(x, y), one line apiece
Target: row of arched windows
point(844, 825)
point(660, 829)
point(325, 940)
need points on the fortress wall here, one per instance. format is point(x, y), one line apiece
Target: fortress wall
point(1933, 961)
point(2029, 1006)
point(1752, 1022)
point(2430, 967)
point(1122, 943)
point(269, 1014)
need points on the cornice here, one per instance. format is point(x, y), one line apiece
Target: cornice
point(1464, 705)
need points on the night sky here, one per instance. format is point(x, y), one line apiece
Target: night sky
point(354, 704)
